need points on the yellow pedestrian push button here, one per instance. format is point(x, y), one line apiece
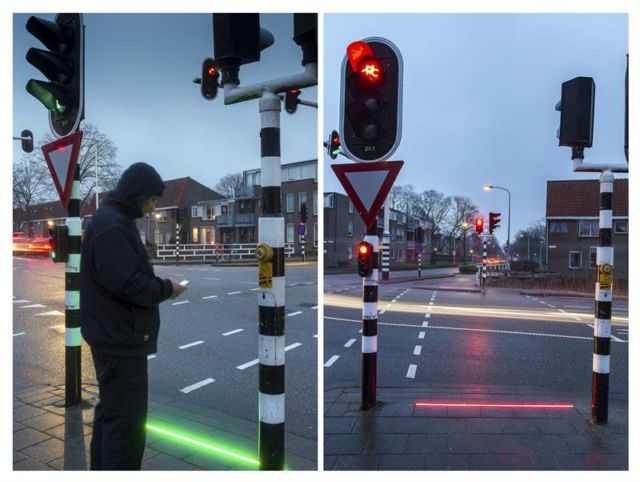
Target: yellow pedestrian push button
point(264, 255)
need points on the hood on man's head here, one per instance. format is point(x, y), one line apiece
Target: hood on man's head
point(138, 183)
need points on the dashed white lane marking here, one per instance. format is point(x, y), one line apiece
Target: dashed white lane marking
point(19, 334)
point(233, 332)
point(189, 345)
point(151, 357)
point(422, 334)
point(382, 312)
point(295, 313)
point(180, 303)
point(254, 289)
point(417, 350)
point(331, 361)
point(212, 279)
point(430, 303)
point(195, 386)
point(614, 338)
point(427, 315)
point(21, 301)
point(425, 324)
point(550, 306)
point(51, 313)
point(235, 293)
point(256, 361)
point(315, 336)
point(33, 306)
point(350, 342)
point(58, 328)
point(393, 301)
point(411, 372)
point(209, 297)
point(314, 307)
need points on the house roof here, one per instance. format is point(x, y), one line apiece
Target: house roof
point(582, 198)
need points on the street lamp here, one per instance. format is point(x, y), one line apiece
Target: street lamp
point(489, 187)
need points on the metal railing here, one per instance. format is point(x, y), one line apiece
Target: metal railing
point(217, 253)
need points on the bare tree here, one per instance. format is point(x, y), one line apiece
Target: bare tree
point(31, 183)
point(228, 183)
point(96, 151)
point(435, 207)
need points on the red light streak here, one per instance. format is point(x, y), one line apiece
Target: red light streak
point(492, 405)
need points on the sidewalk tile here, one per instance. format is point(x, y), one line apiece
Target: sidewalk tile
point(427, 444)
point(31, 399)
point(336, 409)
point(44, 422)
point(27, 411)
point(592, 462)
point(490, 462)
point(166, 462)
point(210, 461)
point(45, 402)
point(590, 444)
point(534, 462)
point(30, 464)
point(18, 426)
point(17, 403)
point(483, 425)
point(519, 426)
point(402, 462)
point(294, 462)
point(329, 462)
point(339, 424)
point(386, 444)
point(467, 444)
point(463, 412)
point(357, 462)
point(18, 456)
point(392, 425)
point(59, 431)
point(447, 462)
point(27, 437)
point(445, 425)
point(396, 410)
point(45, 451)
point(555, 427)
point(346, 444)
point(176, 450)
point(431, 412)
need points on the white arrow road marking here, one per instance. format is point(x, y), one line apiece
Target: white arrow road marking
point(411, 372)
point(331, 361)
point(195, 386)
point(58, 328)
point(229, 333)
point(51, 313)
point(350, 342)
point(21, 301)
point(33, 306)
point(189, 345)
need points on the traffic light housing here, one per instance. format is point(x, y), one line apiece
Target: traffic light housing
point(59, 241)
point(63, 66)
point(291, 100)
point(479, 223)
point(494, 221)
point(371, 100)
point(365, 259)
point(576, 108)
point(334, 145)
point(27, 140)
point(209, 80)
point(303, 213)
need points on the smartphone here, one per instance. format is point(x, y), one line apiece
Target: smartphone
point(185, 282)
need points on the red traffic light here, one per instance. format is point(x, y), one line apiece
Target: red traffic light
point(371, 70)
point(363, 249)
point(479, 225)
point(364, 62)
point(211, 71)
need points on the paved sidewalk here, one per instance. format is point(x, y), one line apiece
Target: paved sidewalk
point(398, 436)
point(46, 436)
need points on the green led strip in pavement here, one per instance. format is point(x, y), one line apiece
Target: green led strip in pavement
point(199, 443)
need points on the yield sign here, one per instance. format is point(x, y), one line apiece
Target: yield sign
point(367, 185)
point(62, 157)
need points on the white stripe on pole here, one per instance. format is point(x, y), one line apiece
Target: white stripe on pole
point(271, 231)
point(601, 363)
point(271, 408)
point(602, 328)
point(271, 350)
point(72, 300)
point(72, 337)
point(271, 172)
point(370, 344)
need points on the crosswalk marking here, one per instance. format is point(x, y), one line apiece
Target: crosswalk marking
point(421, 335)
point(229, 333)
point(350, 342)
point(331, 361)
point(195, 386)
point(411, 372)
point(417, 350)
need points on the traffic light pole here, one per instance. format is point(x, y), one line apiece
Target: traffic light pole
point(484, 263)
point(73, 338)
point(177, 242)
point(385, 242)
point(271, 302)
point(303, 242)
point(370, 325)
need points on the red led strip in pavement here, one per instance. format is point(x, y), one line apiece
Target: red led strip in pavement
point(491, 405)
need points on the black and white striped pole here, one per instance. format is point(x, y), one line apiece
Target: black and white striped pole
point(302, 246)
point(73, 338)
point(271, 298)
point(369, 318)
point(603, 298)
point(386, 236)
point(484, 263)
point(177, 242)
point(420, 264)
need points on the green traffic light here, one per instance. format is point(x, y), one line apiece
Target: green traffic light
point(46, 94)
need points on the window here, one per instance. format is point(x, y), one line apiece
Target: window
point(315, 203)
point(349, 252)
point(400, 236)
point(194, 235)
point(328, 200)
point(575, 259)
point(290, 203)
point(621, 226)
point(290, 233)
point(593, 251)
point(350, 207)
point(588, 228)
point(350, 228)
point(194, 211)
point(558, 227)
point(302, 199)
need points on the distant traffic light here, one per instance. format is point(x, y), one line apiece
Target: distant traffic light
point(494, 221)
point(63, 65)
point(291, 100)
point(334, 145)
point(27, 140)
point(365, 259)
point(479, 222)
point(576, 112)
point(303, 213)
point(209, 81)
point(371, 100)
point(59, 241)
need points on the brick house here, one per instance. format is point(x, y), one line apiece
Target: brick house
point(572, 219)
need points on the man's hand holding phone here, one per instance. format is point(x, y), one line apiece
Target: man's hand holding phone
point(179, 287)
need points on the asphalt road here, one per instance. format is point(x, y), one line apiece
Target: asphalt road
point(210, 332)
point(429, 336)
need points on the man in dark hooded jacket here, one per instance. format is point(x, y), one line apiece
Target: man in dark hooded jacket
point(120, 319)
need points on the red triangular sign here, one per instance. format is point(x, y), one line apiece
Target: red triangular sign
point(62, 158)
point(367, 185)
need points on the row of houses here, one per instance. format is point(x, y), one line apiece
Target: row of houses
point(203, 215)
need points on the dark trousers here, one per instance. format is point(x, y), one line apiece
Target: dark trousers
point(120, 416)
